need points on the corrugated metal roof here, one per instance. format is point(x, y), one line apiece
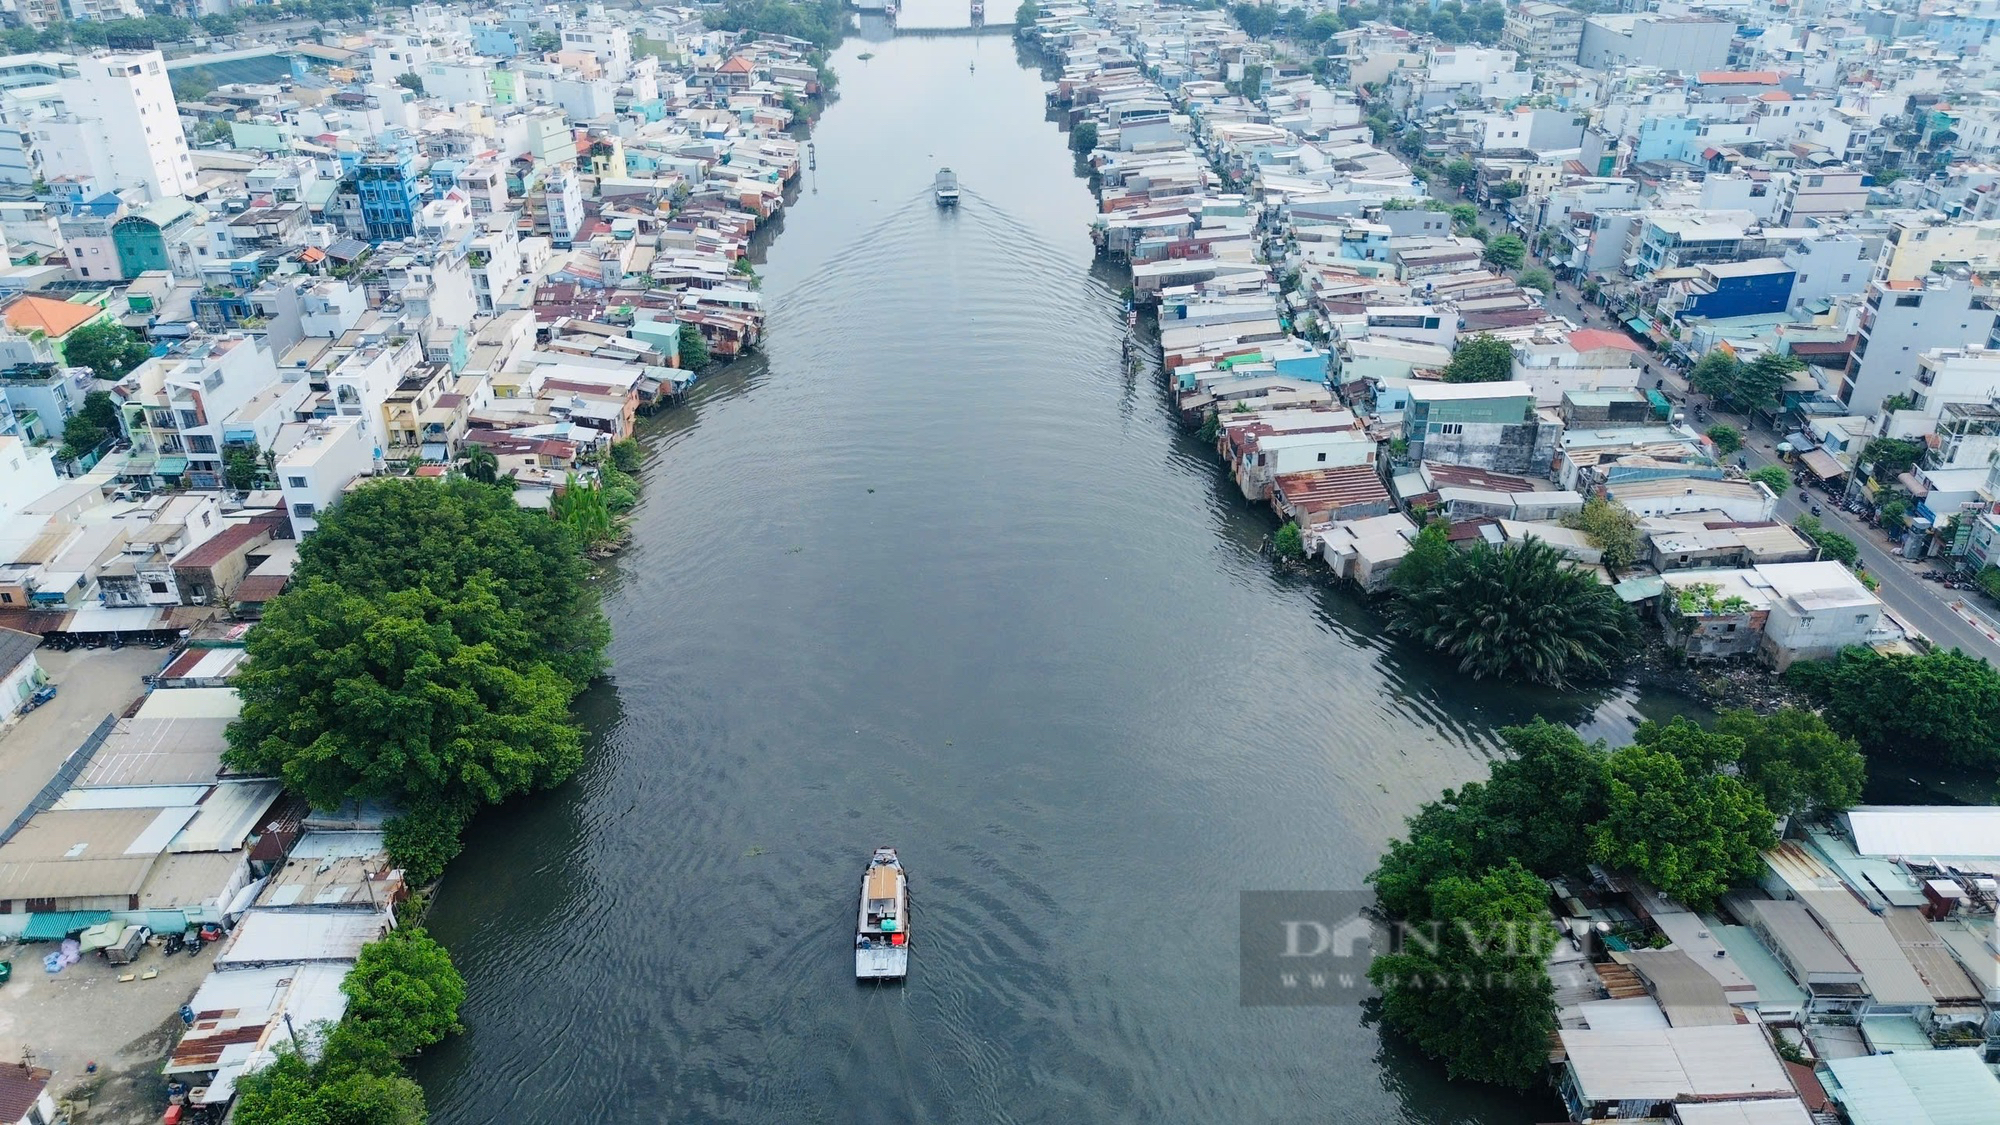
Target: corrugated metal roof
point(1931, 957)
point(1925, 832)
point(182, 882)
point(1688, 995)
point(166, 824)
point(1916, 1088)
point(334, 844)
point(1678, 1062)
point(1807, 950)
point(226, 816)
point(142, 751)
point(78, 854)
point(1767, 1111)
point(238, 1013)
point(130, 797)
point(271, 937)
point(192, 703)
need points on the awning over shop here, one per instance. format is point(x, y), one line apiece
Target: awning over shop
point(55, 925)
point(1916, 487)
point(435, 451)
point(1822, 464)
point(1639, 325)
point(171, 466)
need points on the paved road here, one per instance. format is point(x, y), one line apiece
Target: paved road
point(1923, 605)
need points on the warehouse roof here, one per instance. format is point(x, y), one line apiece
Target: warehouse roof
point(273, 937)
point(1685, 991)
point(90, 853)
point(1678, 1062)
point(1916, 1088)
point(1765, 1111)
point(1922, 832)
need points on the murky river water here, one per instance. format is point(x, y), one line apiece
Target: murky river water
point(933, 571)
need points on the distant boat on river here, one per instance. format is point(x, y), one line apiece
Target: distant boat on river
point(945, 187)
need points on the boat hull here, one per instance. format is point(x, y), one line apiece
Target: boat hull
point(885, 962)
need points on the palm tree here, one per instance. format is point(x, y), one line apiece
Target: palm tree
point(1518, 613)
point(481, 465)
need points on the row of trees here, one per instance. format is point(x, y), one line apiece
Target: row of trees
point(823, 22)
point(1941, 707)
point(1450, 22)
point(403, 995)
point(1755, 385)
point(1686, 808)
point(425, 655)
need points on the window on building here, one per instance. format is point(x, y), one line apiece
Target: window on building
point(295, 482)
point(1451, 427)
point(303, 511)
point(157, 587)
point(1909, 302)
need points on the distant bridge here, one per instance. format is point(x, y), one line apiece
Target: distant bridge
point(942, 32)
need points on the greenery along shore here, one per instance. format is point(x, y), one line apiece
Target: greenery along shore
point(425, 656)
point(402, 996)
point(1687, 809)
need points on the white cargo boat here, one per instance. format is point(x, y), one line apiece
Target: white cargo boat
point(946, 188)
point(882, 940)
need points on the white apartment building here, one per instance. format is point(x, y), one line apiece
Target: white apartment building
point(316, 462)
point(120, 126)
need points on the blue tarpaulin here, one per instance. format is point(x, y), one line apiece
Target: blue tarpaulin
point(55, 925)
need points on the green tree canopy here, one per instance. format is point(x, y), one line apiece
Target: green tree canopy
point(823, 22)
point(407, 695)
point(1728, 439)
point(1796, 760)
point(1832, 544)
point(1612, 529)
point(292, 1091)
point(1760, 382)
point(1537, 278)
point(109, 349)
point(1519, 613)
point(1941, 706)
point(1485, 358)
point(1773, 477)
point(1430, 552)
point(400, 533)
point(1892, 456)
point(1083, 138)
point(1691, 833)
point(241, 466)
point(693, 349)
point(404, 992)
point(1474, 991)
point(1460, 173)
point(1536, 809)
point(1506, 252)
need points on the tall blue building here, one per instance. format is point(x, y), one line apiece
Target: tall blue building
point(387, 185)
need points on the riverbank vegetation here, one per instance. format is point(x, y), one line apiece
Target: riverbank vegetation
point(1941, 707)
point(1451, 22)
point(425, 656)
point(822, 22)
point(1686, 808)
point(402, 996)
point(1515, 613)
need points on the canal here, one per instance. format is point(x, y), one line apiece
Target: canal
point(935, 571)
